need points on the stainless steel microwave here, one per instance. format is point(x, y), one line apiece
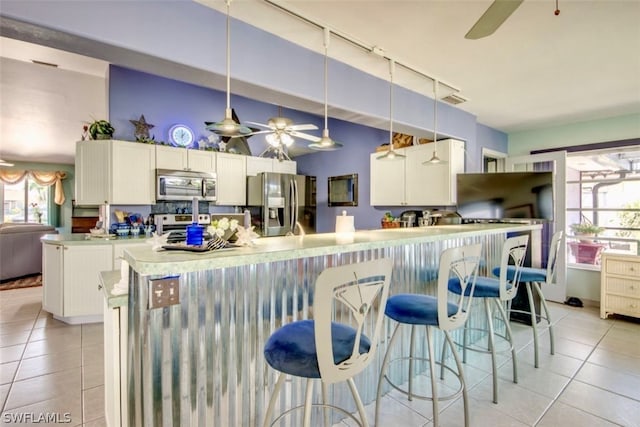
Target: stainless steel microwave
point(185, 185)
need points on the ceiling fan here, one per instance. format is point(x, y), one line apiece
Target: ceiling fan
point(492, 18)
point(281, 131)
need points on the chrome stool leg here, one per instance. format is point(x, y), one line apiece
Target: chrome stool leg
point(492, 349)
point(507, 326)
point(545, 307)
point(534, 324)
point(432, 370)
point(465, 397)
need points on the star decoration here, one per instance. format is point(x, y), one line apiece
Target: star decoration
point(142, 128)
point(157, 241)
point(246, 236)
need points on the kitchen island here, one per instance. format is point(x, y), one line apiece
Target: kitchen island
point(200, 360)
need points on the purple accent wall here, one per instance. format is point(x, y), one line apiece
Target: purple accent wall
point(165, 102)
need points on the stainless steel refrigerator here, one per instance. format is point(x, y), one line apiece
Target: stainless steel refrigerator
point(278, 201)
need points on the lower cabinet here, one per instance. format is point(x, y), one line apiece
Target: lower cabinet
point(70, 280)
point(115, 365)
point(620, 285)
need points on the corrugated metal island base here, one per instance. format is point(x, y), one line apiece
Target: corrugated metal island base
point(200, 362)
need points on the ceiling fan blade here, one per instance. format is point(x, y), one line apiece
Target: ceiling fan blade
point(492, 18)
point(304, 136)
point(302, 127)
point(260, 124)
point(255, 132)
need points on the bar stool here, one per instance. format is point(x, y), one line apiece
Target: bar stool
point(499, 291)
point(327, 348)
point(533, 278)
point(434, 312)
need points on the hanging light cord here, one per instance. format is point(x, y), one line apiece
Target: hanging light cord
point(435, 112)
point(392, 65)
point(228, 58)
point(327, 36)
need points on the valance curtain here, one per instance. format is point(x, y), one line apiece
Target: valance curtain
point(46, 178)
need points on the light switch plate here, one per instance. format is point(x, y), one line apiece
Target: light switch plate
point(164, 292)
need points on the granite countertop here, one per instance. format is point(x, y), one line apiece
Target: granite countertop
point(87, 239)
point(147, 262)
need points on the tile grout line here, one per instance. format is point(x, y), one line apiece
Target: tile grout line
point(572, 378)
point(24, 350)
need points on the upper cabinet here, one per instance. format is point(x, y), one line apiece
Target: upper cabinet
point(115, 172)
point(408, 182)
point(232, 179)
point(176, 158)
point(255, 165)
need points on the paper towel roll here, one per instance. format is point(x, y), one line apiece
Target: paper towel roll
point(344, 223)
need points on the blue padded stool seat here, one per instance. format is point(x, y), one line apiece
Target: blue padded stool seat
point(292, 348)
point(527, 274)
point(486, 287)
point(416, 309)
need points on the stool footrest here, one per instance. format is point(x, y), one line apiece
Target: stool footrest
point(453, 395)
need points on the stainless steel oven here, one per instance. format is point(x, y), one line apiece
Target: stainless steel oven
point(176, 224)
point(185, 185)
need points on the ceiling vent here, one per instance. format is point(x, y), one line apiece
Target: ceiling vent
point(454, 99)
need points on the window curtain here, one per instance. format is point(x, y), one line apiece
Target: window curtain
point(45, 178)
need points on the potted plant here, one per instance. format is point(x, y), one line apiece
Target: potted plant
point(586, 229)
point(101, 129)
point(586, 251)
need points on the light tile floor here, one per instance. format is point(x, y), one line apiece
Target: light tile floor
point(47, 366)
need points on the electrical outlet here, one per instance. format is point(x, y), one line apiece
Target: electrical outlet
point(164, 292)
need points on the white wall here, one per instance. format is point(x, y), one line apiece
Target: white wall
point(42, 107)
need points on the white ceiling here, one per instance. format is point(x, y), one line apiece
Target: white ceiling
point(537, 70)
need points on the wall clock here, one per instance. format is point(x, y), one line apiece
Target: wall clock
point(181, 135)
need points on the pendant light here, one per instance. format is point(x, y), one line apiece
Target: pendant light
point(228, 127)
point(391, 153)
point(3, 163)
point(325, 143)
point(435, 160)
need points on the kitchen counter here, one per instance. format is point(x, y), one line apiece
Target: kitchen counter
point(273, 249)
point(86, 239)
point(200, 360)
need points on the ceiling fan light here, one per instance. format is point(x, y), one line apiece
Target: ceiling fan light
point(286, 139)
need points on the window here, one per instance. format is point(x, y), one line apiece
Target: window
point(25, 201)
point(603, 189)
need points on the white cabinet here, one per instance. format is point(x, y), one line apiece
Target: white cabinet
point(284, 166)
point(70, 279)
point(620, 285)
point(407, 181)
point(115, 172)
point(176, 158)
point(115, 365)
point(232, 179)
point(52, 278)
point(255, 165)
point(387, 182)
